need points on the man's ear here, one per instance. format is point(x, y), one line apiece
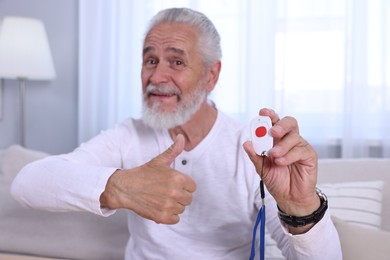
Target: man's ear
point(213, 75)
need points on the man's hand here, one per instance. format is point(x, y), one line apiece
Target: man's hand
point(290, 171)
point(154, 190)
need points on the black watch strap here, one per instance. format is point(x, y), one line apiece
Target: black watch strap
point(305, 220)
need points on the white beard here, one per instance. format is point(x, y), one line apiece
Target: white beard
point(155, 118)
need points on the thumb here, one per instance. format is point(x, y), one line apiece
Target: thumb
point(173, 151)
point(248, 147)
point(256, 159)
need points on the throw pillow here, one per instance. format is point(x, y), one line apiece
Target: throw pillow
point(356, 202)
point(353, 202)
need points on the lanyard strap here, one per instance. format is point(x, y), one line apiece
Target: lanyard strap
point(259, 220)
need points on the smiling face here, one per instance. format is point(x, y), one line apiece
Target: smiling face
point(174, 79)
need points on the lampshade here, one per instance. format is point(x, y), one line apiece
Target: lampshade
point(24, 50)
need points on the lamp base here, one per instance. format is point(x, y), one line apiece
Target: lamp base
point(22, 84)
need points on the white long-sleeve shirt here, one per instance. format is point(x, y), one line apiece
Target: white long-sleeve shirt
point(217, 225)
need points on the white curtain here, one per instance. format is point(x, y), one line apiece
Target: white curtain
point(110, 40)
point(325, 62)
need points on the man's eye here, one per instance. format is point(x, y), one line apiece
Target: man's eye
point(150, 62)
point(178, 62)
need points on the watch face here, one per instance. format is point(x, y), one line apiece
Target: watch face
point(321, 194)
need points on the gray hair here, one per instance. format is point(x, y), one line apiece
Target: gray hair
point(209, 39)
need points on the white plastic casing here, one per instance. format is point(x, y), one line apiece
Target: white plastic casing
point(261, 138)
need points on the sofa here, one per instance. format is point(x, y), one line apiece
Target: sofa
point(359, 202)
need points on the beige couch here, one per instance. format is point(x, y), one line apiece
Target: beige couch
point(355, 189)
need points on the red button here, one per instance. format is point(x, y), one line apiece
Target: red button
point(261, 131)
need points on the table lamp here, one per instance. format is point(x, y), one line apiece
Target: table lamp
point(24, 55)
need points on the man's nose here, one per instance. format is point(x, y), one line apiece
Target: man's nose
point(160, 74)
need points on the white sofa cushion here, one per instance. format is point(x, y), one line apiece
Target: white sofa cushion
point(72, 235)
point(359, 242)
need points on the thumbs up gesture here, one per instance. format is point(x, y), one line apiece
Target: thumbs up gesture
point(154, 190)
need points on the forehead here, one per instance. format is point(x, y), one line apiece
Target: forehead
point(174, 37)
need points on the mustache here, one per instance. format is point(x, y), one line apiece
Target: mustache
point(165, 90)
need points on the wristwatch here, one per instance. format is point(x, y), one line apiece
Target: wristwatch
point(305, 220)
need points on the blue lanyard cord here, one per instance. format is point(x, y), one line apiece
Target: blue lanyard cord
point(259, 220)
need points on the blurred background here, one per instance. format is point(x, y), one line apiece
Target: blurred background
point(325, 62)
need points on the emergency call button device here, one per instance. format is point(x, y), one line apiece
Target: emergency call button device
point(261, 137)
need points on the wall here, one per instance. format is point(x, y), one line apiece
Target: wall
point(50, 106)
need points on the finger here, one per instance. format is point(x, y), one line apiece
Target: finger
point(284, 126)
point(189, 185)
point(173, 151)
point(271, 113)
point(284, 145)
point(248, 147)
point(177, 179)
point(160, 210)
point(186, 199)
point(180, 188)
point(255, 158)
point(167, 218)
point(171, 209)
point(303, 154)
point(292, 150)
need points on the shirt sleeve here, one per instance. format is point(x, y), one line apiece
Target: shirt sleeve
point(74, 181)
point(55, 184)
point(321, 242)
